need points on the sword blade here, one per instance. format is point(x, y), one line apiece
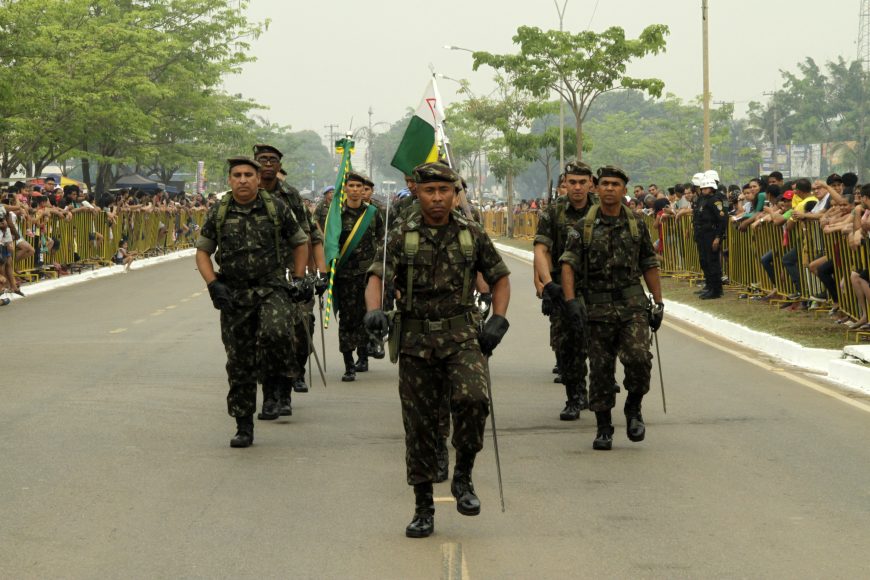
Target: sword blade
point(661, 378)
point(494, 435)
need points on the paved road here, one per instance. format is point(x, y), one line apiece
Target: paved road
point(115, 461)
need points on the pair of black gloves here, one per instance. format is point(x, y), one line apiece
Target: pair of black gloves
point(552, 298)
point(493, 331)
point(301, 290)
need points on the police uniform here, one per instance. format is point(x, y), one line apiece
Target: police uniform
point(554, 225)
point(607, 269)
point(256, 325)
point(350, 282)
point(439, 352)
point(710, 222)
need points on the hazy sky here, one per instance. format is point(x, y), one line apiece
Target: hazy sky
point(324, 62)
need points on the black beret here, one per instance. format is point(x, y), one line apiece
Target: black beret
point(613, 171)
point(355, 176)
point(263, 148)
point(577, 168)
point(242, 160)
point(430, 172)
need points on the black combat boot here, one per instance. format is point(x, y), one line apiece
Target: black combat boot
point(571, 412)
point(634, 426)
point(583, 399)
point(271, 397)
point(300, 386)
point(362, 365)
point(423, 523)
point(285, 408)
point(349, 368)
point(604, 437)
point(467, 502)
point(443, 457)
point(244, 432)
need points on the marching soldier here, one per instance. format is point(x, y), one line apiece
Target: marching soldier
point(710, 223)
point(607, 253)
point(251, 230)
point(434, 257)
point(554, 225)
point(321, 210)
point(362, 229)
point(279, 403)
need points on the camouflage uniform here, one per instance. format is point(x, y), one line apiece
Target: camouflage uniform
point(617, 319)
point(257, 332)
point(302, 333)
point(434, 363)
point(350, 279)
point(554, 225)
point(321, 210)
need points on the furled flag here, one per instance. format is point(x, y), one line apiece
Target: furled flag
point(420, 142)
point(332, 227)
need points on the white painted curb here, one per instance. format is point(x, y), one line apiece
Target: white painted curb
point(830, 363)
point(99, 272)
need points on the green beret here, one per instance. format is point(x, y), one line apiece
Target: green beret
point(242, 160)
point(612, 171)
point(263, 148)
point(429, 172)
point(577, 168)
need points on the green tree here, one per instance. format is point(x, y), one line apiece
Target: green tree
point(578, 67)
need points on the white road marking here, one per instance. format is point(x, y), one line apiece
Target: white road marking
point(453, 564)
point(118, 331)
point(170, 307)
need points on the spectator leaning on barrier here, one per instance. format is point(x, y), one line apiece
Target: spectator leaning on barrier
point(860, 278)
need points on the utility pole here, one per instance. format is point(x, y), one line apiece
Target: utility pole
point(561, 99)
point(864, 58)
point(705, 19)
point(332, 133)
point(772, 95)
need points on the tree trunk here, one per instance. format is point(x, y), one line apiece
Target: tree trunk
point(509, 194)
point(86, 173)
point(578, 125)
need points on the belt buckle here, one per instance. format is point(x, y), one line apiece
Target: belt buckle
point(434, 325)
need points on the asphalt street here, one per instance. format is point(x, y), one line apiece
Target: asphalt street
point(116, 464)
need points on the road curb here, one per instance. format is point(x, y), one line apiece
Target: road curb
point(834, 365)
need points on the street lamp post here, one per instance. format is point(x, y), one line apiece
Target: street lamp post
point(707, 153)
point(561, 100)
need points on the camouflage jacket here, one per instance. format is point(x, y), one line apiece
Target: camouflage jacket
point(291, 197)
point(614, 262)
point(247, 253)
point(554, 224)
point(321, 210)
point(439, 273)
point(362, 256)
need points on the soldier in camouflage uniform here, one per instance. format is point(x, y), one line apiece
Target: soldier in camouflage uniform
point(350, 278)
point(279, 403)
point(441, 348)
point(251, 290)
point(554, 223)
point(607, 253)
point(321, 210)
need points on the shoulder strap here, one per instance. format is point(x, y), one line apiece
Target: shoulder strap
point(632, 224)
point(223, 206)
point(466, 244)
point(411, 245)
point(269, 202)
point(588, 222)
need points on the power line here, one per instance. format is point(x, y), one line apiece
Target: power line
point(591, 18)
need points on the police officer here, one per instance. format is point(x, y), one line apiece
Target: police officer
point(279, 404)
point(362, 229)
point(251, 230)
point(607, 253)
point(710, 224)
point(434, 257)
point(553, 226)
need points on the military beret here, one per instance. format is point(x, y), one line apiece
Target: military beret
point(355, 176)
point(367, 180)
point(577, 168)
point(327, 189)
point(612, 171)
point(242, 160)
point(429, 172)
point(264, 148)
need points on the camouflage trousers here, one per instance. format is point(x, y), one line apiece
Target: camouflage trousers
point(630, 341)
point(350, 295)
point(258, 339)
point(424, 386)
point(571, 354)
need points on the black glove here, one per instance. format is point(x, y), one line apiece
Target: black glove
point(554, 292)
point(220, 294)
point(546, 305)
point(656, 315)
point(301, 290)
point(493, 331)
point(320, 284)
point(576, 311)
point(376, 323)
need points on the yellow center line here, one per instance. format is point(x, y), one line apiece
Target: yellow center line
point(453, 562)
point(118, 331)
point(445, 499)
point(781, 372)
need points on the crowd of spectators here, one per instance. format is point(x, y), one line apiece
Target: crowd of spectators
point(28, 209)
